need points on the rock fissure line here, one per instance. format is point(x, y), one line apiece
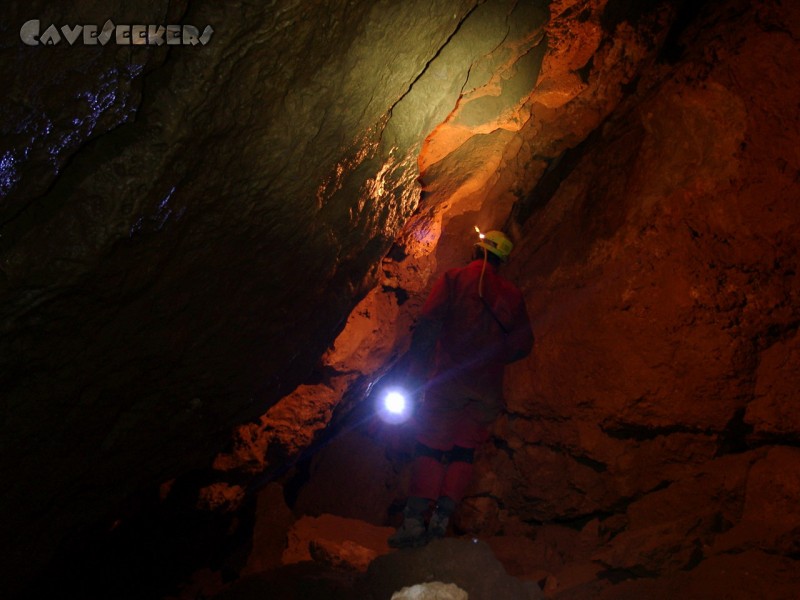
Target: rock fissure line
point(434, 57)
point(641, 433)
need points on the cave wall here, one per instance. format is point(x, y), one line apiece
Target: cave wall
point(513, 119)
point(184, 228)
point(651, 177)
point(661, 276)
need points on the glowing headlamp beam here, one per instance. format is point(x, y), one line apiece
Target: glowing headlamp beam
point(478, 231)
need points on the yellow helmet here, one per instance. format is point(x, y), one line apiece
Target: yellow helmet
point(497, 243)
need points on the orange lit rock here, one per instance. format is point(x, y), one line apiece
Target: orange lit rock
point(220, 496)
point(660, 275)
point(285, 429)
point(644, 297)
point(773, 410)
point(336, 541)
point(272, 524)
point(750, 574)
point(195, 268)
point(468, 562)
point(770, 515)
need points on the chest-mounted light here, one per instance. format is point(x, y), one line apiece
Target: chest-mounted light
point(394, 406)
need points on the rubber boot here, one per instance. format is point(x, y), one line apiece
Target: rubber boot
point(440, 518)
point(411, 533)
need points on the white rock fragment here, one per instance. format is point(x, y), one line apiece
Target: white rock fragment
point(431, 591)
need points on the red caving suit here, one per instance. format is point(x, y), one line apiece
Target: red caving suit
point(464, 393)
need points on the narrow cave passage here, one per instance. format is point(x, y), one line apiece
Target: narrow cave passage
point(212, 254)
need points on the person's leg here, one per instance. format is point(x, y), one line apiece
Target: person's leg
point(412, 532)
point(427, 472)
point(434, 439)
point(437, 430)
point(471, 430)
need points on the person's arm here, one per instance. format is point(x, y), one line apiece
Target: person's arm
point(423, 343)
point(413, 369)
point(421, 354)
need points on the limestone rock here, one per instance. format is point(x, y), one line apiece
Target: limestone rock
point(655, 352)
point(771, 412)
point(341, 555)
point(435, 590)
point(468, 564)
point(336, 541)
point(286, 428)
point(57, 98)
point(165, 263)
point(184, 234)
point(770, 518)
point(751, 574)
point(270, 532)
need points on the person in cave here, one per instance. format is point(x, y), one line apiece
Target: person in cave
point(473, 323)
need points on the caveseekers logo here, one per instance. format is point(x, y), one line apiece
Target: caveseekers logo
point(124, 35)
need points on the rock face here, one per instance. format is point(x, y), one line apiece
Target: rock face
point(185, 231)
point(431, 591)
point(659, 262)
point(470, 564)
point(335, 541)
point(661, 276)
point(167, 278)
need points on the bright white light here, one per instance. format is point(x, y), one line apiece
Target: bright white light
point(395, 403)
point(394, 407)
point(478, 231)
